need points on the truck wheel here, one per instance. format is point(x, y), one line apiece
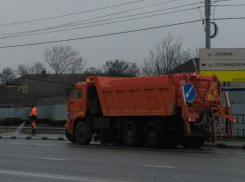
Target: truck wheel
point(70, 137)
point(81, 134)
point(153, 136)
point(131, 135)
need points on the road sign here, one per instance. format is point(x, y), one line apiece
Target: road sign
point(213, 94)
point(189, 91)
point(222, 54)
point(222, 65)
point(222, 59)
point(227, 64)
point(227, 76)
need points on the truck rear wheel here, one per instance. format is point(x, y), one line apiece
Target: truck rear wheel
point(81, 134)
point(70, 137)
point(153, 135)
point(131, 135)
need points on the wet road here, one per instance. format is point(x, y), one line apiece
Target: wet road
point(37, 160)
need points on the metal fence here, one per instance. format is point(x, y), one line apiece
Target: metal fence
point(239, 126)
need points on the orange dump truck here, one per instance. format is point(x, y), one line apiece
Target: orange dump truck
point(155, 111)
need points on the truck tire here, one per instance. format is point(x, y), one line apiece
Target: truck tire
point(153, 135)
point(70, 137)
point(132, 135)
point(81, 134)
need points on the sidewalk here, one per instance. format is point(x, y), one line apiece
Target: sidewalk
point(227, 144)
point(60, 137)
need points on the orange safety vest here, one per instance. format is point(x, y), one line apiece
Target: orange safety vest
point(33, 112)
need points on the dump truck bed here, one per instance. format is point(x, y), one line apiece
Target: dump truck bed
point(141, 96)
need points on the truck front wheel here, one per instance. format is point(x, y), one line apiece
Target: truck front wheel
point(81, 134)
point(70, 137)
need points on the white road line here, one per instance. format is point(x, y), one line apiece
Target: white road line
point(37, 144)
point(169, 167)
point(54, 159)
point(52, 176)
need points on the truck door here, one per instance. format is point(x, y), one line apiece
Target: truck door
point(75, 102)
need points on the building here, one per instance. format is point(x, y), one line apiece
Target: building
point(43, 89)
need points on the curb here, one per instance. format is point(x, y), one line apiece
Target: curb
point(34, 138)
point(218, 145)
point(222, 145)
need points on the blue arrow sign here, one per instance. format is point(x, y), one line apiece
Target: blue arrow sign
point(189, 92)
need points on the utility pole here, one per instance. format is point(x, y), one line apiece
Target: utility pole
point(207, 22)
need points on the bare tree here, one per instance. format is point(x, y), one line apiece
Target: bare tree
point(93, 71)
point(166, 55)
point(64, 59)
point(22, 70)
point(37, 68)
point(7, 75)
point(120, 68)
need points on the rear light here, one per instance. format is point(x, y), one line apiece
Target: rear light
point(191, 119)
point(234, 120)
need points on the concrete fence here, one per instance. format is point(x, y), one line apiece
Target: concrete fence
point(53, 112)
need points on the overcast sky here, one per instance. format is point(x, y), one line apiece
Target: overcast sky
point(131, 47)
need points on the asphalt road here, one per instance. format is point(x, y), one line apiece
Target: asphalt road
point(37, 160)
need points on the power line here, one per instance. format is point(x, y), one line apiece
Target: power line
point(29, 21)
point(96, 36)
point(219, 1)
point(20, 33)
point(213, 2)
point(117, 33)
point(229, 5)
point(74, 23)
point(224, 5)
point(16, 36)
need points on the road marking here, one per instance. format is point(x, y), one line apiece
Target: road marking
point(54, 159)
point(37, 144)
point(11, 143)
point(52, 176)
point(169, 167)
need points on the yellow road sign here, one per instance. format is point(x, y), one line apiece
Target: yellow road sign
point(213, 94)
point(227, 76)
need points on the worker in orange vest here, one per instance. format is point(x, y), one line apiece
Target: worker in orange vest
point(33, 118)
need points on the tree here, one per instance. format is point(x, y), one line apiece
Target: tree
point(37, 68)
point(64, 59)
point(166, 55)
point(120, 68)
point(7, 75)
point(93, 71)
point(22, 70)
